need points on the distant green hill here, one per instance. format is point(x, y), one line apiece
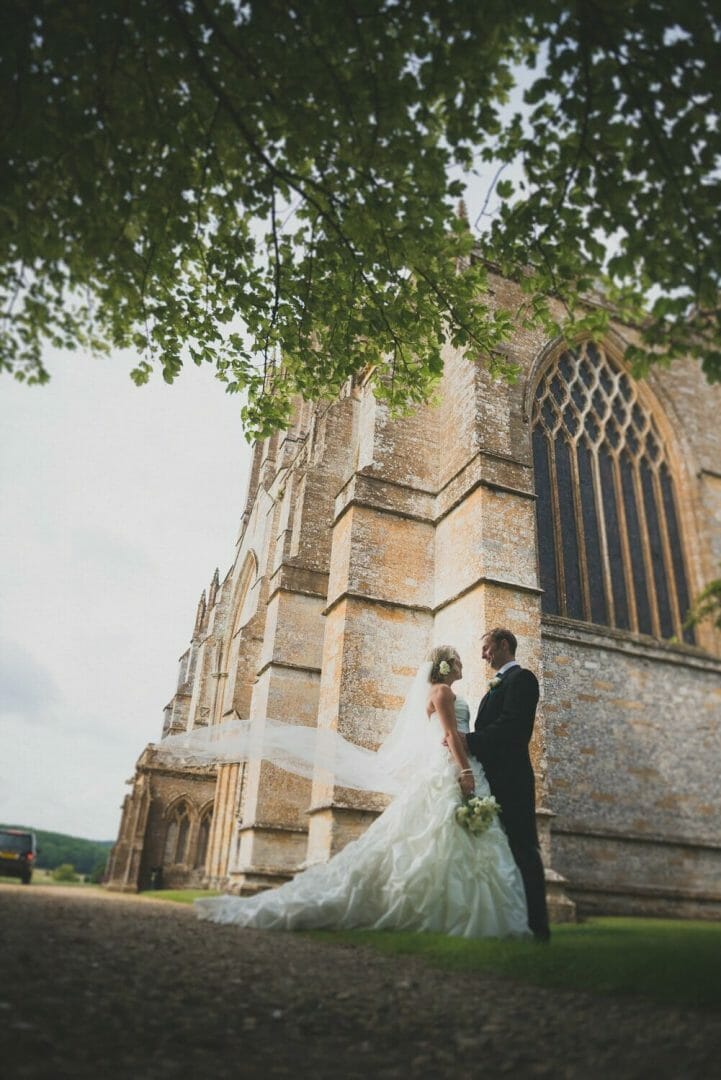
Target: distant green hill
point(56, 848)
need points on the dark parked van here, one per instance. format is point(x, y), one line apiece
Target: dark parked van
point(17, 854)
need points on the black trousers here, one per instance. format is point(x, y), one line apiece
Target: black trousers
point(528, 860)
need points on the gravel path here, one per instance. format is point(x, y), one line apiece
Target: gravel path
point(102, 986)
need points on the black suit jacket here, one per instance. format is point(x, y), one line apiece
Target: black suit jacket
point(503, 729)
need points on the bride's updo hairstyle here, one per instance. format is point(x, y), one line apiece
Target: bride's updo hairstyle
point(441, 654)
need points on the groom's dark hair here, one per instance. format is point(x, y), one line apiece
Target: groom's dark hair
point(498, 633)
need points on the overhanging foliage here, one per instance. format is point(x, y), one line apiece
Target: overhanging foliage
point(265, 186)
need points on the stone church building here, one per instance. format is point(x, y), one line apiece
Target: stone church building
point(579, 508)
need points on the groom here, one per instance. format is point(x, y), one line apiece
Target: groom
point(503, 728)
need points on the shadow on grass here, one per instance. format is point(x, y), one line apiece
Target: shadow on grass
point(669, 961)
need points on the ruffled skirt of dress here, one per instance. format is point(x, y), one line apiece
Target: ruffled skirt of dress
point(414, 868)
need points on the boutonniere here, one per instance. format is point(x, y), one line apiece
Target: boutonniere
point(495, 682)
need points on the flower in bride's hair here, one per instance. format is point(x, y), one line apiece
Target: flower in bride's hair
point(444, 667)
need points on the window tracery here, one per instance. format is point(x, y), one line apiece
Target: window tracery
point(176, 838)
point(609, 534)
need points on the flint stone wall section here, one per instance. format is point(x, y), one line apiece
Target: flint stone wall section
point(633, 737)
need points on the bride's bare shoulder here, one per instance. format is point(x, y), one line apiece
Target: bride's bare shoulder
point(440, 695)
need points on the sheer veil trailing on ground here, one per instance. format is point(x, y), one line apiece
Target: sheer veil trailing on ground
point(413, 868)
point(310, 751)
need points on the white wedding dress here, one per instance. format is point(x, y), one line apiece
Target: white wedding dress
point(415, 868)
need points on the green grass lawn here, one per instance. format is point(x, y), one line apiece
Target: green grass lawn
point(179, 896)
point(667, 960)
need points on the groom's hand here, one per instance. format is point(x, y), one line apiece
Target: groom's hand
point(444, 740)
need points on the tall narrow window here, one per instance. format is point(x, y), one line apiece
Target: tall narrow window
point(203, 838)
point(176, 838)
point(609, 542)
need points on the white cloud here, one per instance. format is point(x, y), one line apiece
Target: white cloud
point(27, 689)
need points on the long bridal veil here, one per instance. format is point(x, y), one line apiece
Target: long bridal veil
point(310, 751)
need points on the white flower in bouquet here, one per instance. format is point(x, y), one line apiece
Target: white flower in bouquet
point(477, 813)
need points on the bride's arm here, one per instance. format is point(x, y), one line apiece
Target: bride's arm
point(442, 701)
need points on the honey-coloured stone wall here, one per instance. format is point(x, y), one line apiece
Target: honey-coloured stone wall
point(367, 539)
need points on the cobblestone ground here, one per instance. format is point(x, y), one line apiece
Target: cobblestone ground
point(105, 986)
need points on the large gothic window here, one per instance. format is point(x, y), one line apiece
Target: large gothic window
point(609, 534)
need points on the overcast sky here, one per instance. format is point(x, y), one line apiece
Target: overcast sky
point(117, 503)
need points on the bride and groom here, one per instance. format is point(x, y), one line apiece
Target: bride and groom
point(415, 867)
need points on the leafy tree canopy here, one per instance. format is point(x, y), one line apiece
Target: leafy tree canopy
point(707, 606)
point(65, 872)
point(268, 186)
point(97, 874)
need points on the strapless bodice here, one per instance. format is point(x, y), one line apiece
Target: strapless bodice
point(463, 715)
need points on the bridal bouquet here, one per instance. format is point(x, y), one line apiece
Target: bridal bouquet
point(477, 813)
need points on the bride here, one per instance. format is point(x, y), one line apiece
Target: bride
point(415, 867)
